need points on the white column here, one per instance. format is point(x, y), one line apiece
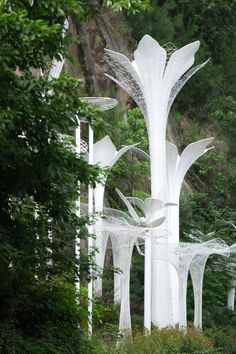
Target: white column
point(173, 228)
point(162, 311)
point(147, 283)
point(90, 239)
point(77, 241)
point(231, 298)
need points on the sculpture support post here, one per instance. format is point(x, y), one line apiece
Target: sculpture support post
point(147, 284)
point(125, 318)
point(77, 241)
point(162, 308)
point(116, 252)
point(183, 278)
point(197, 268)
point(231, 297)
point(173, 228)
point(101, 238)
point(90, 239)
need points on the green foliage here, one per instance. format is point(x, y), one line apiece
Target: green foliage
point(39, 185)
point(136, 177)
point(168, 341)
point(132, 6)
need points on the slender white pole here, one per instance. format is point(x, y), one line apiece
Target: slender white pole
point(77, 241)
point(147, 283)
point(90, 239)
point(231, 298)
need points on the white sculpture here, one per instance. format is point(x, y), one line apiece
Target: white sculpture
point(197, 267)
point(151, 218)
point(231, 294)
point(106, 155)
point(177, 167)
point(125, 231)
point(153, 81)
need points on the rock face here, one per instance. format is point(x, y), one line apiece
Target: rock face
point(106, 30)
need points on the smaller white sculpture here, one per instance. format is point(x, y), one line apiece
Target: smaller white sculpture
point(124, 232)
point(197, 267)
point(152, 217)
point(106, 155)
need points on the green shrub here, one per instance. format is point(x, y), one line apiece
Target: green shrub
point(167, 341)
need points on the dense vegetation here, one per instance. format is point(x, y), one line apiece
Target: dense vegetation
point(39, 172)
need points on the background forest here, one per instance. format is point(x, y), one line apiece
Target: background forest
point(39, 310)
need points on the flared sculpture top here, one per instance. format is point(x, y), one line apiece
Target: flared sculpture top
point(153, 79)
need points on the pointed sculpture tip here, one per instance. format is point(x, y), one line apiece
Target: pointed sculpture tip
point(148, 39)
point(195, 44)
point(209, 139)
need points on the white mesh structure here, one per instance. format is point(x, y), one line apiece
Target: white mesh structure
point(229, 266)
point(83, 146)
point(153, 80)
point(152, 217)
point(104, 103)
point(124, 233)
point(197, 268)
point(180, 256)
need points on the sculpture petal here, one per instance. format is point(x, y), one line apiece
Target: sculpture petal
point(150, 59)
point(141, 152)
point(126, 77)
point(232, 248)
point(190, 154)
point(129, 206)
point(121, 152)
point(104, 152)
point(137, 202)
point(181, 82)
point(157, 222)
point(152, 205)
point(172, 157)
point(180, 61)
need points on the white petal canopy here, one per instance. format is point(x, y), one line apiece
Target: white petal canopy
point(178, 165)
point(150, 208)
point(151, 78)
point(106, 155)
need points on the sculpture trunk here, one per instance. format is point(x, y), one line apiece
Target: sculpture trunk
point(183, 279)
point(173, 228)
point(162, 307)
point(125, 318)
point(197, 272)
point(231, 297)
point(116, 252)
point(101, 238)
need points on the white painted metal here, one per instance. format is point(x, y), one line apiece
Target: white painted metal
point(153, 81)
point(197, 268)
point(147, 284)
point(57, 65)
point(90, 239)
point(77, 241)
point(106, 155)
point(231, 297)
point(177, 167)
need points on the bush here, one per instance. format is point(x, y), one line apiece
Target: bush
point(167, 341)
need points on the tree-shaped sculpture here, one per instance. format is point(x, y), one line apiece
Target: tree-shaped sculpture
point(177, 167)
point(125, 231)
point(197, 267)
point(152, 217)
point(153, 80)
point(106, 155)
